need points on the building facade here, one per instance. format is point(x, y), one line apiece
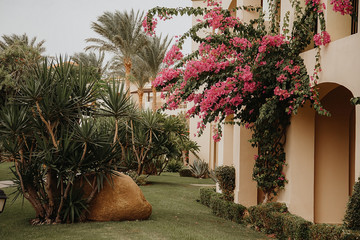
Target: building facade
point(323, 159)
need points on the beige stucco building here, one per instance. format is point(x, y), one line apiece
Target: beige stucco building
point(323, 154)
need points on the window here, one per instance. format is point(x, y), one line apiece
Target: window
point(354, 17)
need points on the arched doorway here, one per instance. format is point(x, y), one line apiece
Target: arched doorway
point(334, 154)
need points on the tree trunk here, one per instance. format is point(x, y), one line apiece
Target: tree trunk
point(154, 99)
point(141, 94)
point(128, 65)
point(154, 95)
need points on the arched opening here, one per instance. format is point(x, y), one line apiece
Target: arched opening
point(334, 155)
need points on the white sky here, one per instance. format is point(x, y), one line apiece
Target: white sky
point(65, 24)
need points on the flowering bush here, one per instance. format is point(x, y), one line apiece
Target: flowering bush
point(246, 71)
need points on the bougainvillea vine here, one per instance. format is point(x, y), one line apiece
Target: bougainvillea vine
point(248, 71)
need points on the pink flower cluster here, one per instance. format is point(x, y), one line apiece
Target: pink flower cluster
point(164, 76)
point(318, 6)
point(241, 43)
point(322, 38)
point(283, 93)
point(150, 30)
point(174, 54)
point(273, 41)
point(216, 19)
point(342, 6)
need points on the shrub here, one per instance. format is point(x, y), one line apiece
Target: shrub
point(332, 232)
point(275, 218)
point(199, 168)
point(225, 176)
point(352, 215)
point(205, 195)
point(292, 226)
point(325, 232)
point(186, 172)
point(261, 216)
point(174, 166)
point(221, 207)
point(139, 180)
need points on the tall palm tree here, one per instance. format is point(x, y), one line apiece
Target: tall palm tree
point(9, 40)
point(153, 54)
point(140, 75)
point(92, 60)
point(121, 33)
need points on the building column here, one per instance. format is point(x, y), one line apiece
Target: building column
point(243, 156)
point(300, 151)
point(357, 141)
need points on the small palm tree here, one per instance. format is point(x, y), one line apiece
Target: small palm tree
point(153, 54)
point(92, 60)
point(121, 33)
point(140, 77)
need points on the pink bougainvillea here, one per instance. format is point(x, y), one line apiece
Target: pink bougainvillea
point(322, 38)
point(244, 71)
point(342, 6)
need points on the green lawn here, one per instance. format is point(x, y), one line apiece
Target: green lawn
point(176, 215)
point(5, 173)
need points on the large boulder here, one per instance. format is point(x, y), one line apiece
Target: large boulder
point(123, 200)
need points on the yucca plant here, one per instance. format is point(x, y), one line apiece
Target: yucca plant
point(50, 130)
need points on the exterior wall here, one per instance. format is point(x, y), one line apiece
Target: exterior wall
point(243, 154)
point(332, 153)
point(207, 146)
point(322, 155)
point(321, 178)
point(299, 192)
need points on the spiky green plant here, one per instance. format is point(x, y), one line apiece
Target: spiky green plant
point(51, 133)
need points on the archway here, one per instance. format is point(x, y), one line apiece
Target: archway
point(334, 154)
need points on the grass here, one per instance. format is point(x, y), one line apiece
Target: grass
point(5, 173)
point(176, 215)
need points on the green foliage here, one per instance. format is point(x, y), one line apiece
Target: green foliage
point(225, 176)
point(325, 232)
point(139, 180)
point(174, 166)
point(185, 172)
point(274, 218)
point(18, 55)
point(332, 232)
point(352, 215)
point(205, 195)
point(199, 168)
point(221, 207)
point(49, 130)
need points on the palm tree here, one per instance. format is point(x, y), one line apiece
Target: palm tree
point(153, 54)
point(9, 40)
point(140, 75)
point(92, 60)
point(121, 33)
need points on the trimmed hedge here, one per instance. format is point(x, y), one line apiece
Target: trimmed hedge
point(225, 176)
point(332, 232)
point(262, 217)
point(274, 218)
point(221, 207)
point(205, 195)
point(352, 215)
point(185, 172)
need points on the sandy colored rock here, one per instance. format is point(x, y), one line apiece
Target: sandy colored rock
point(122, 201)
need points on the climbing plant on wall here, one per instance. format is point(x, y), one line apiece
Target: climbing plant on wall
point(250, 71)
